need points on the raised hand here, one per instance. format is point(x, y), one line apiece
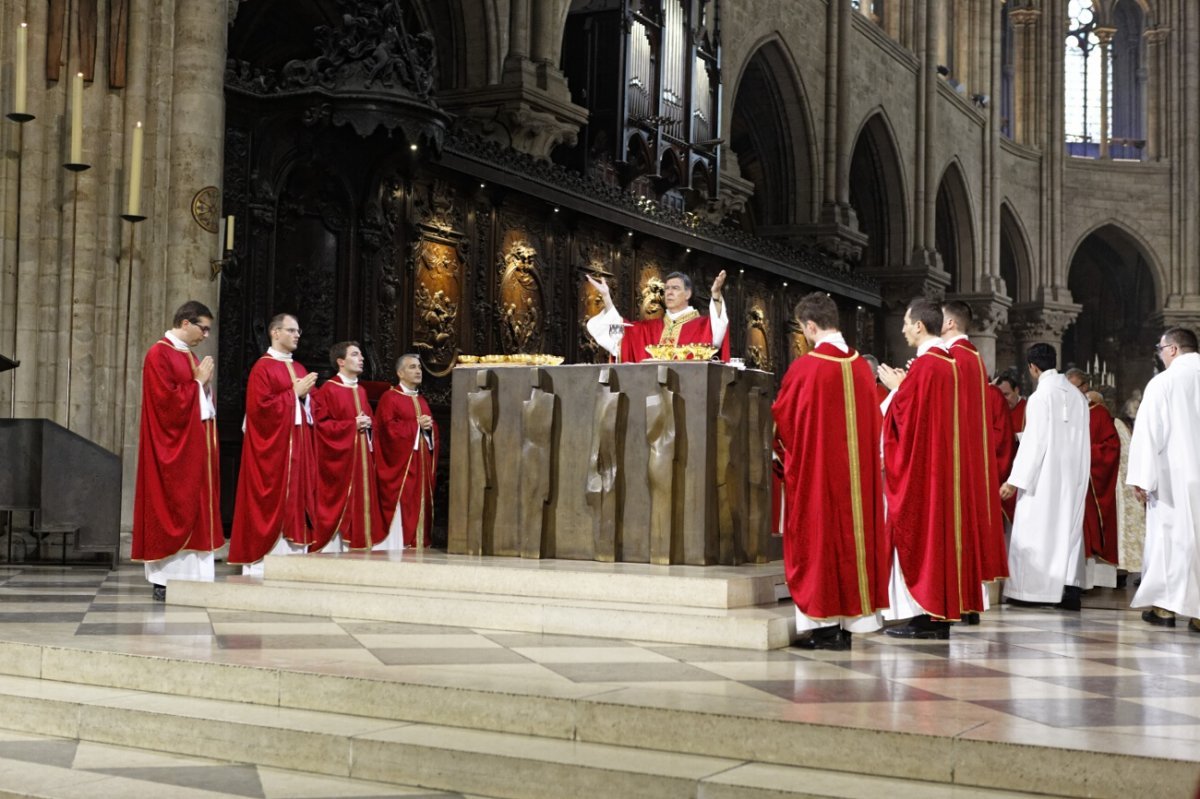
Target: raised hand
point(717, 285)
point(601, 287)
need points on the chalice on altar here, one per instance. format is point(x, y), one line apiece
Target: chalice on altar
point(617, 332)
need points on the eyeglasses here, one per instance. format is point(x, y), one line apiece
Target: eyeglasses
point(1160, 347)
point(205, 329)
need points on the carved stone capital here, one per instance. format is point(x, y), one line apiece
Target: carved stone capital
point(1033, 322)
point(898, 287)
point(1024, 17)
point(1170, 317)
point(531, 111)
point(1157, 35)
point(989, 311)
point(1105, 35)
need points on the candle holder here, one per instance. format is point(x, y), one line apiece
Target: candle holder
point(220, 265)
point(75, 169)
point(132, 219)
point(20, 119)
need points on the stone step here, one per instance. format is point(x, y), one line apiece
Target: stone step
point(639, 583)
point(430, 756)
point(760, 628)
point(107, 696)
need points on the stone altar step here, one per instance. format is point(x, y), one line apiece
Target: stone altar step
point(483, 763)
point(761, 628)
point(632, 742)
point(643, 583)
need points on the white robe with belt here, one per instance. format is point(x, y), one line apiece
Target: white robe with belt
point(1051, 474)
point(1164, 460)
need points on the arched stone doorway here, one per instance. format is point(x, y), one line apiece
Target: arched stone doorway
point(1113, 276)
point(955, 231)
point(771, 135)
point(1016, 272)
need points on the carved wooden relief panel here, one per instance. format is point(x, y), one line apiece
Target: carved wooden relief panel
point(650, 291)
point(521, 307)
point(437, 297)
point(758, 336)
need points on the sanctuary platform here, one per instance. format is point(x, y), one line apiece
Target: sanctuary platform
point(104, 692)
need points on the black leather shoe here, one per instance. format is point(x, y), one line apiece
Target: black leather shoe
point(828, 638)
point(1152, 617)
point(160, 593)
point(921, 627)
point(1072, 598)
point(970, 618)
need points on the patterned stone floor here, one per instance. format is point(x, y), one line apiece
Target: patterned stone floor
point(1039, 676)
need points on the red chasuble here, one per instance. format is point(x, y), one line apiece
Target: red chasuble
point(1100, 508)
point(925, 511)
point(176, 502)
point(276, 482)
point(696, 330)
point(836, 556)
point(1016, 416)
point(406, 472)
point(347, 499)
point(980, 489)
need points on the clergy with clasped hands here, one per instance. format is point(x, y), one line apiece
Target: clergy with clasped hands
point(935, 576)
point(1164, 469)
point(681, 323)
point(1050, 481)
point(406, 458)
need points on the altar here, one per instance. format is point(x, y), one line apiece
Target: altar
point(666, 463)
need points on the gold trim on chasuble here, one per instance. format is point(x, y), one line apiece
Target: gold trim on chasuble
point(856, 493)
point(671, 327)
point(957, 487)
point(360, 439)
point(420, 542)
point(287, 486)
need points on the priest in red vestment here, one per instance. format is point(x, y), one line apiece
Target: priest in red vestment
point(347, 509)
point(680, 324)
point(835, 553)
point(176, 500)
point(935, 576)
point(1100, 506)
point(406, 453)
point(1010, 388)
point(275, 494)
point(981, 483)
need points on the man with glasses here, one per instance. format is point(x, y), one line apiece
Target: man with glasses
point(1164, 470)
point(680, 324)
point(276, 485)
point(176, 501)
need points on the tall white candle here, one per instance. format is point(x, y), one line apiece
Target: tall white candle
point(76, 119)
point(229, 232)
point(135, 173)
point(20, 76)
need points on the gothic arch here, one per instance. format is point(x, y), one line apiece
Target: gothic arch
point(878, 194)
point(1016, 259)
point(955, 228)
point(1117, 230)
point(771, 132)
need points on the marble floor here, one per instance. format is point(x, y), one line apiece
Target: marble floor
point(1100, 680)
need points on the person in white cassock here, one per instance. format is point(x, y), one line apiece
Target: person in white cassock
point(1164, 468)
point(1049, 478)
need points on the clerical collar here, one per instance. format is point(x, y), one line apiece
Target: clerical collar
point(947, 343)
point(835, 339)
point(277, 355)
point(412, 392)
point(349, 381)
point(176, 342)
point(929, 343)
point(677, 314)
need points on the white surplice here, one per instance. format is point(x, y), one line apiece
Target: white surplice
point(1164, 460)
point(1051, 474)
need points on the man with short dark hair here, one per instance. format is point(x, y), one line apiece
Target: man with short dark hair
point(1049, 479)
point(935, 575)
point(176, 500)
point(680, 324)
point(985, 441)
point(406, 459)
point(347, 507)
point(834, 551)
point(1164, 469)
point(275, 494)
point(1010, 386)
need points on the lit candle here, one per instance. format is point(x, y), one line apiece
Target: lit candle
point(20, 71)
point(135, 173)
point(77, 119)
point(229, 232)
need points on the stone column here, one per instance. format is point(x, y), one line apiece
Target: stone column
point(196, 147)
point(989, 313)
point(1105, 35)
point(1024, 22)
point(898, 289)
point(530, 109)
point(1155, 66)
point(1040, 323)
